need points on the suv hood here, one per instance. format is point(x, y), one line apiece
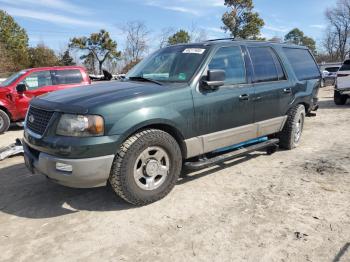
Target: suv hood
point(80, 99)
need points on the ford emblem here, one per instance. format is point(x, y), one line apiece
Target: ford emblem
point(31, 119)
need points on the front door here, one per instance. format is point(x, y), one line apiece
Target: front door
point(224, 116)
point(38, 83)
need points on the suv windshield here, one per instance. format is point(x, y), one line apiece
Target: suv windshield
point(13, 78)
point(171, 64)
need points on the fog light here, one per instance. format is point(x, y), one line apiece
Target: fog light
point(64, 167)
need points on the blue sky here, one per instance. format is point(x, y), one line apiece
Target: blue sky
point(55, 21)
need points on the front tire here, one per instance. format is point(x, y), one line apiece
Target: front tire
point(339, 99)
point(4, 122)
point(147, 167)
point(290, 136)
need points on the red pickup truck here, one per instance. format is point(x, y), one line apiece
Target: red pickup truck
point(17, 91)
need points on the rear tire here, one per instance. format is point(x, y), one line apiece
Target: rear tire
point(339, 99)
point(146, 167)
point(4, 122)
point(290, 136)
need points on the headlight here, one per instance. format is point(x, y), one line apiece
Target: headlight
point(80, 125)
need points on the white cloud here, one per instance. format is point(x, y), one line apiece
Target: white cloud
point(193, 7)
point(61, 5)
point(174, 8)
point(214, 29)
point(318, 26)
point(51, 17)
point(280, 29)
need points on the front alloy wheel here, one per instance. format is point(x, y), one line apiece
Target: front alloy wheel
point(146, 167)
point(151, 168)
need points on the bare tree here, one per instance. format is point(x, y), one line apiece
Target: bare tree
point(164, 36)
point(330, 45)
point(197, 34)
point(339, 26)
point(136, 41)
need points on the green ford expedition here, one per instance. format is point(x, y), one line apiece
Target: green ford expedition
point(180, 106)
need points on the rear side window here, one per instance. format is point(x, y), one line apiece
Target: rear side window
point(230, 60)
point(345, 66)
point(302, 62)
point(266, 64)
point(63, 77)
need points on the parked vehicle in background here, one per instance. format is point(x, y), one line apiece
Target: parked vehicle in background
point(330, 75)
point(183, 104)
point(342, 86)
point(17, 90)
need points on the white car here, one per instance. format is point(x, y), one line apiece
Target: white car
point(342, 87)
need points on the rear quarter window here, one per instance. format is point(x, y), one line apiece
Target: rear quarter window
point(303, 63)
point(345, 66)
point(63, 77)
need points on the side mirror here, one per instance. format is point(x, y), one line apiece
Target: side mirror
point(214, 79)
point(21, 88)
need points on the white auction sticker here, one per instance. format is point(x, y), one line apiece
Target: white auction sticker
point(198, 51)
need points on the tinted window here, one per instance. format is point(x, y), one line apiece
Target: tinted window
point(332, 69)
point(63, 77)
point(37, 80)
point(302, 63)
point(345, 66)
point(231, 61)
point(266, 64)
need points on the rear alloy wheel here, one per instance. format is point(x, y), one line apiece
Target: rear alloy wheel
point(4, 122)
point(339, 99)
point(147, 167)
point(290, 136)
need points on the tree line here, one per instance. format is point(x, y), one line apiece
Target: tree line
point(99, 50)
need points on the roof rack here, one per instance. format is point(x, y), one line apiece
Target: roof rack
point(237, 39)
point(221, 39)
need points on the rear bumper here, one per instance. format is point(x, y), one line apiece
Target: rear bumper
point(81, 173)
point(343, 91)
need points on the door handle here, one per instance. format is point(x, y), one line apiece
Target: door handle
point(287, 90)
point(244, 97)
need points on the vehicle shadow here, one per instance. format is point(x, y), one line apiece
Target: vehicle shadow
point(33, 196)
point(329, 104)
point(188, 175)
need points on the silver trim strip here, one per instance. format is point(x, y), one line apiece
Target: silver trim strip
point(210, 142)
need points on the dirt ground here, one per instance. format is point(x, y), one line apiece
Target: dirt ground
point(291, 206)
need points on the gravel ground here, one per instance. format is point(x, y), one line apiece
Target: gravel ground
point(291, 206)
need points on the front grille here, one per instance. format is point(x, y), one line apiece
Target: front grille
point(37, 120)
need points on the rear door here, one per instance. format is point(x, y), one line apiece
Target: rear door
point(67, 78)
point(271, 86)
point(343, 76)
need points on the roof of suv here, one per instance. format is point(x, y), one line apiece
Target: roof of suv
point(225, 41)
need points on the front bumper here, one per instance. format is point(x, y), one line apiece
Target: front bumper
point(83, 173)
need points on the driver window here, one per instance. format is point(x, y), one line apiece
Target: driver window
point(230, 60)
point(37, 80)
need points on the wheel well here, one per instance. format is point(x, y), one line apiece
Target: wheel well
point(171, 131)
point(307, 106)
point(6, 111)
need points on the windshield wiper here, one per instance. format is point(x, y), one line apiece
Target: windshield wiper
point(143, 79)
